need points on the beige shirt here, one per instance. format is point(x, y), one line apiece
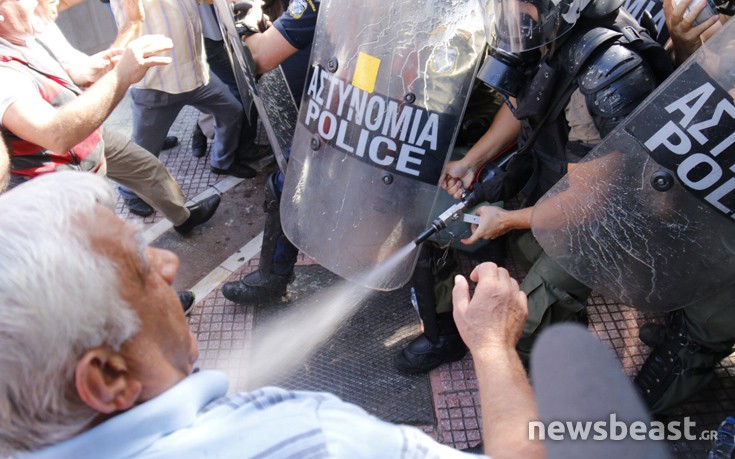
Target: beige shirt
point(179, 20)
point(582, 126)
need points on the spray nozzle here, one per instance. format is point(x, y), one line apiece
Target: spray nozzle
point(453, 213)
point(487, 188)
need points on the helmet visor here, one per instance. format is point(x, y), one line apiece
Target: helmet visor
point(522, 25)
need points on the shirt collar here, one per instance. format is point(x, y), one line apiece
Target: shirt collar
point(134, 430)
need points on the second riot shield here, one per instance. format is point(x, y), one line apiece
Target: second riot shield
point(649, 217)
point(382, 104)
point(269, 92)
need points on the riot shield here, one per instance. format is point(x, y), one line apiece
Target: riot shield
point(382, 104)
point(649, 217)
point(269, 92)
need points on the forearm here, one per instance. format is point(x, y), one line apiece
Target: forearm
point(59, 130)
point(134, 15)
point(127, 33)
point(504, 130)
point(519, 219)
point(88, 111)
point(508, 405)
point(269, 49)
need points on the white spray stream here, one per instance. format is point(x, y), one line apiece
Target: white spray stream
point(287, 340)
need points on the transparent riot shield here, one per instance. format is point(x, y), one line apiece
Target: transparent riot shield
point(382, 103)
point(270, 93)
point(649, 217)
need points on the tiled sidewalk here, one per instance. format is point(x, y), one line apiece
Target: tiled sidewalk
point(223, 328)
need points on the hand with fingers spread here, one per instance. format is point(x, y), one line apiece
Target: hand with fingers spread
point(140, 55)
point(493, 318)
point(686, 37)
point(95, 66)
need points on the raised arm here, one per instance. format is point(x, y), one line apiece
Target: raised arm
point(504, 130)
point(35, 120)
point(269, 49)
point(490, 323)
point(133, 24)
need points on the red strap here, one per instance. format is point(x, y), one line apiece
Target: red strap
point(60, 81)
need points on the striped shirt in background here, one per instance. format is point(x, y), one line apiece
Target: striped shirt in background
point(178, 20)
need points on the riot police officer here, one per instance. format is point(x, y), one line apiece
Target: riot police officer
point(287, 43)
point(693, 339)
point(570, 71)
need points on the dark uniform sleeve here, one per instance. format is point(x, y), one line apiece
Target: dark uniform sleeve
point(297, 24)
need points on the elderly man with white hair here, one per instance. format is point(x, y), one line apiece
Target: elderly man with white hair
point(105, 369)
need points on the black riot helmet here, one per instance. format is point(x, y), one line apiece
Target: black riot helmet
point(517, 29)
point(515, 26)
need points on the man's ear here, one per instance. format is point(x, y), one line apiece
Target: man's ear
point(104, 382)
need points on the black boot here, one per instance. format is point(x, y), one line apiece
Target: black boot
point(440, 342)
point(187, 297)
point(677, 367)
point(427, 352)
point(264, 284)
point(198, 142)
point(652, 334)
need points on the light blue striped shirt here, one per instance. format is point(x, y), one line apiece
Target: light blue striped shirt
point(194, 419)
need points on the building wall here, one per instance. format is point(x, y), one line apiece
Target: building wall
point(89, 26)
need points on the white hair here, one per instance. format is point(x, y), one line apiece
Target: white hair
point(58, 298)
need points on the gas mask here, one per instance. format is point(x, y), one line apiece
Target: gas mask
point(507, 72)
point(516, 30)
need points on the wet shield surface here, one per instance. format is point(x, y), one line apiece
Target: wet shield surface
point(269, 92)
point(649, 217)
point(381, 107)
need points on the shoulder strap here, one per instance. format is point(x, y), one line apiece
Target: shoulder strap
point(58, 80)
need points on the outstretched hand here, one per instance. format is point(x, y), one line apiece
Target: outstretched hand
point(97, 65)
point(493, 318)
point(141, 54)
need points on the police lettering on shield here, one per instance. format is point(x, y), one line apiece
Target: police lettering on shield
point(395, 135)
point(695, 137)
